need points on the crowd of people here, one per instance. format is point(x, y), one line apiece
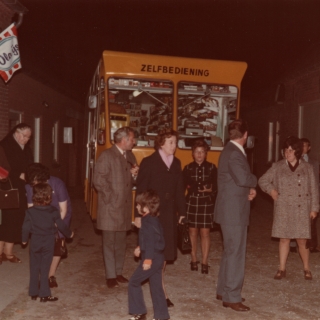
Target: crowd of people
point(202, 194)
point(199, 195)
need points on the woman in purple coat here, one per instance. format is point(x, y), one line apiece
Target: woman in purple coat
point(162, 173)
point(37, 173)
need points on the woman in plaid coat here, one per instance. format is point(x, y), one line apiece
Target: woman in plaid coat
point(200, 178)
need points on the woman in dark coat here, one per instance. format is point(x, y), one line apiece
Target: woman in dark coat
point(19, 155)
point(200, 177)
point(162, 173)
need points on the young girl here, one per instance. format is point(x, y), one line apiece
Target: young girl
point(151, 246)
point(41, 221)
point(200, 178)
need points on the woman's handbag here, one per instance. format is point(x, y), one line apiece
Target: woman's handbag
point(60, 248)
point(3, 173)
point(9, 199)
point(184, 243)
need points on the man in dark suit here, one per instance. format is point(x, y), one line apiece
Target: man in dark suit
point(114, 175)
point(235, 191)
point(305, 155)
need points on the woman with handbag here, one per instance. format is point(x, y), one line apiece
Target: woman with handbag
point(162, 173)
point(19, 155)
point(200, 178)
point(38, 173)
point(292, 184)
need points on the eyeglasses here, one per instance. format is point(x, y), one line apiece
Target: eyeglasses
point(289, 151)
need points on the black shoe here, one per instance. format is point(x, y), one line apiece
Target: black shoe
point(53, 282)
point(138, 317)
point(50, 298)
point(219, 297)
point(204, 268)
point(194, 265)
point(122, 279)
point(112, 283)
point(34, 297)
point(169, 303)
point(293, 249)
point(235, 306)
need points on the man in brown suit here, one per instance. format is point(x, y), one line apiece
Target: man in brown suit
point(114, 174)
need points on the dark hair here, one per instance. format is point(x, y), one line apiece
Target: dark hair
point(42, 194)
point(151, 200)
point(122, 133)
point(199, 143)
point(295, 143)
point(164, 134)
point(20, 126)
point(237, 129)
point(305, 140)
point(37, 172)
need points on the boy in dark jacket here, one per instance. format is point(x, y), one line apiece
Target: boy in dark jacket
point(41, 221)
point(151, 246)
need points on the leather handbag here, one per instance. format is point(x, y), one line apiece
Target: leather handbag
point(9, 199)
point(60, 248)
point(184, 242)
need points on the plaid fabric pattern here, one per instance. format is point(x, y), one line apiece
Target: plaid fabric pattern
point(200, 211)
point(199, 205)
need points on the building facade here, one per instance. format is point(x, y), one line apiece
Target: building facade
point(289, 107)
point(56, 119)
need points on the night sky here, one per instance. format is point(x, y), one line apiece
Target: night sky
point(61, 42)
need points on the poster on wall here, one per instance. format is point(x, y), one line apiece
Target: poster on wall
point(9, 53)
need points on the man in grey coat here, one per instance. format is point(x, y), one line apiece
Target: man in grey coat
point(232, 209)
point(114, 175)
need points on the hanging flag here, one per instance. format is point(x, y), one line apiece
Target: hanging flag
point(9, 53)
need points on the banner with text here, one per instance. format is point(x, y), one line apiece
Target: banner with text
point(9, 53)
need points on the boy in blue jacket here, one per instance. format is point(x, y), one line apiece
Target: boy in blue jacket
point(41, 221)
point(151, 246)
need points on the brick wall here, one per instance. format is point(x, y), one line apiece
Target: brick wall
point(4, 109)
point(6, 15)
point(26, 95)
point(35, 99)
point(5, 20)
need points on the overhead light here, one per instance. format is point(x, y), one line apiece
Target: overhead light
point(137, 92)
point(140, 90)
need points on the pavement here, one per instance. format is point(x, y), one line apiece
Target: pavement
point(83, 294)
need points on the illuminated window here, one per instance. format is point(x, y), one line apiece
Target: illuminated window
point(204, 112)
point(144, 105)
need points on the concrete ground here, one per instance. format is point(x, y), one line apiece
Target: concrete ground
point(83, 294)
